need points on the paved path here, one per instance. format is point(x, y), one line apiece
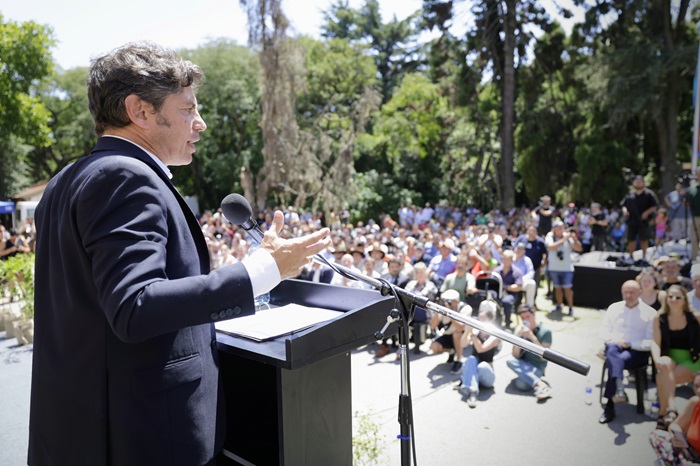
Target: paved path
point(507, 427)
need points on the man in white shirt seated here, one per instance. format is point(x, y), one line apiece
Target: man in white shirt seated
point(627, 331)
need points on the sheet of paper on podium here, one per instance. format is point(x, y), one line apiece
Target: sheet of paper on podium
point(272, 323)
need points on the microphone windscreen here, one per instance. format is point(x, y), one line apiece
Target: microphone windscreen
point(236, 209)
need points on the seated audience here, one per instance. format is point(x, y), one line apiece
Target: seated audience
point(680, 444)
point(651, 294)
point(627, 332)
point(450, 339)
point(530, 367)
point(478, 367)
point(675, 349)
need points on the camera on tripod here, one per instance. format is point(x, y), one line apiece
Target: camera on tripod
point(685, 178)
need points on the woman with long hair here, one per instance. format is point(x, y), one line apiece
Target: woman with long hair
point(675, 350)
point(651, 295)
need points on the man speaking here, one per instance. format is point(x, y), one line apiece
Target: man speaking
point(125, 367)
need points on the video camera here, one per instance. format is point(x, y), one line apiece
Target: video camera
point(685, 178)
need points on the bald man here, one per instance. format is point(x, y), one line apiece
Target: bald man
point(627, 332)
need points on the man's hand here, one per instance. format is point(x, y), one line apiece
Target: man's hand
point(291, 255)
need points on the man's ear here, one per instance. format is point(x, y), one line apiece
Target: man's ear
point(139, 111)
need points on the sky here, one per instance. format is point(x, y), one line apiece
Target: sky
point(88, 28)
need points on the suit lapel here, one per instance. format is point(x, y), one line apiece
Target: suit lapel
point(107, 146)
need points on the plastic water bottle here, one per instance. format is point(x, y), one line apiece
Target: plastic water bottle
point(589, 392)
point(261, 301)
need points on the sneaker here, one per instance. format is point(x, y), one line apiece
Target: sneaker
point(543, 392)
point(456, 367)
point(471, 400)
point(557, 308)
point(451, 356)
point(571, 311)
point(620, 397)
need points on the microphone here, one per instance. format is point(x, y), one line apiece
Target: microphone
point(237, 210)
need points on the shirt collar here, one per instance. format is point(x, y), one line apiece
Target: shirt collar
point(158, 161)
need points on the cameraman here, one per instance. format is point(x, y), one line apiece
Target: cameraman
point(560, 244)
point(678, 211)
point(693, 197)
point(638, 207)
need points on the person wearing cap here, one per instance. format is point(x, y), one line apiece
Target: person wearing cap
point(671, 273)
point(443, 264)
point(529, 367)
point(450, 340)
point(638, 207)
point(627, 333)
point(560, 244)
point(694, 295)
point(544, 215)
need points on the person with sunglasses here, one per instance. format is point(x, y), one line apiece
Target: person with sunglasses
point(627, 332)
point(450, 341)
point(675, 350)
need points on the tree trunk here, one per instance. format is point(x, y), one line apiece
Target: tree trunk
point(508, 107)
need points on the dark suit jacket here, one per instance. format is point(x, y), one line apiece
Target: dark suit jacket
point(401, 279)
point(125, 367)
point(325, 277)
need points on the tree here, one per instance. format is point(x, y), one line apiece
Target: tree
point(394, 45)
point(231, 106)
point(72, 130)
point(26, 60)
point(647, 54)
point(281, 62)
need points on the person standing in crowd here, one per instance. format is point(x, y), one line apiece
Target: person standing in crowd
point(544, 215)
point(627, 332)
point(125, 367)
point(693, 199)
point(560, 245)
point(478, 367)
point(638, 207)
point(678, 212)
point(675, 350)
point(529, 367)
point(599, 224)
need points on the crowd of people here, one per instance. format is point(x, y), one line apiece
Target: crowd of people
point(440, 252)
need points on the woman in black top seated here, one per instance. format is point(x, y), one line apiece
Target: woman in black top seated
point(478, 367)
point(676, 350)
point(651, 295)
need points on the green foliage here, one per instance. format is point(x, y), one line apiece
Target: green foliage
point(230, 105)
point(17, 272)
point(25, 60)
point(366, 444)
point(409, 135)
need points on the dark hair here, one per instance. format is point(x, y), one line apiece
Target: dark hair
point(148, 70)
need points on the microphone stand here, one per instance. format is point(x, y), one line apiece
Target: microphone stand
point(407, 302)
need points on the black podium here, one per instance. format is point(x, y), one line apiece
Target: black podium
point(288, 400)
point(596, 283)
